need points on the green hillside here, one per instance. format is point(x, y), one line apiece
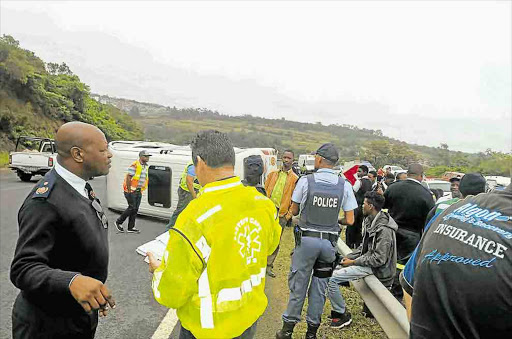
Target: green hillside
point(178, 126)
point(37, 97)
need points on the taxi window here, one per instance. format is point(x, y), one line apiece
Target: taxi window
point(159, 186)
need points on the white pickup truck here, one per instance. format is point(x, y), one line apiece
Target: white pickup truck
point(38, 157)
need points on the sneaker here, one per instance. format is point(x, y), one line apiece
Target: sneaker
point(343, 321)
point(119, 227)
point(270, 273)
point(133, 230)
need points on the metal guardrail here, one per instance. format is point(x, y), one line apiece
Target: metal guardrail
point(388, 312)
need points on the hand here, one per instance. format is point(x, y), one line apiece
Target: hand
point(91, 294)
point(345, 262)
point(154, 263)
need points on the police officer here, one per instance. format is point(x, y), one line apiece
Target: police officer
point(61, 258)
point(319, 197)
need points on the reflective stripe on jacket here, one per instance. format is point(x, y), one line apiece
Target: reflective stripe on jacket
point(183, 180)
point(215, 277)
point(134, 184)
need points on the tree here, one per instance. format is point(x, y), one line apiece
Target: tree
point(9, 40)
point(52, 68)
point(402, 155)
point(377, 151)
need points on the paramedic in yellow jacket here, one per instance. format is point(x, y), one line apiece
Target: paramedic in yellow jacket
point(213, 270)
point(135, 182)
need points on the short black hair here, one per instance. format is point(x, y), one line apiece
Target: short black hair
point(414, 169)
point(390, 176)
point(364, 168)
point(374, 173)
point(376, 199)
point(214, 148)
point(288, 150)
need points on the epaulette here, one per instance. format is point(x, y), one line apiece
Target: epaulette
point(44, 187)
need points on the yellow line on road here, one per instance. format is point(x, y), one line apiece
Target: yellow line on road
point(165, 328)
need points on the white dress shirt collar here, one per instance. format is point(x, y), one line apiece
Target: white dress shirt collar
point(75, 181)
point(414, 180)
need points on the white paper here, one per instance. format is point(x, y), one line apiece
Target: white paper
point(157, 246)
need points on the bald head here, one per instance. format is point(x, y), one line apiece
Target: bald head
point(82, 149)
point(75, 134)
point(415, 171)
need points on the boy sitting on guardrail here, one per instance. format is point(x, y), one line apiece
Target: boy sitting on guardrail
point(376, 255)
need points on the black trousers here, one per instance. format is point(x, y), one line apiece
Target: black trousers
point(248, 333)
point(31, 322)
point(406, 242)
point(133, 200)
point(353, 233)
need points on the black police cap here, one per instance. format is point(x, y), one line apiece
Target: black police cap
point(329, 152)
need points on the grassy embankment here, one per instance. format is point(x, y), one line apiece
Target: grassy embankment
point(4, 159)
point(277, 292)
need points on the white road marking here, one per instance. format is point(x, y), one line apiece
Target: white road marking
point(167, 325)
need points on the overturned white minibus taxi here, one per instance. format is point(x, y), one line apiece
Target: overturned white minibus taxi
point(166, 166)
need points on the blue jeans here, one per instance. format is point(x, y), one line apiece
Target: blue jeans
point(344, 274)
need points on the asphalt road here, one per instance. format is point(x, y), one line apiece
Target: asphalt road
point(137, 314)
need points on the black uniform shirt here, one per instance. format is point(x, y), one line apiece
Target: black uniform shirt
point(60, 235)
point(408, 203)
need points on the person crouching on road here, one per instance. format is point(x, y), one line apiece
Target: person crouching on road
point(215, 273)
point(376, 255)
point(135, 182)
point(320, 197)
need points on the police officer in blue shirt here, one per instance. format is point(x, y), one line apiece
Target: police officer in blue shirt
point(319, 197)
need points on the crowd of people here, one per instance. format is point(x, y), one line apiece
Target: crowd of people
point(446, 259)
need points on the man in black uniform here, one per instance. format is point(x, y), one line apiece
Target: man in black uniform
point(408, 203)
point(61, 258)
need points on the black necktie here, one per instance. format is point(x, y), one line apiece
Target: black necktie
point(90, 192)
point(96, 205)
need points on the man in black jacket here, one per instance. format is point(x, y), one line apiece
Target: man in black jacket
point(408, 202)
point(61, 258)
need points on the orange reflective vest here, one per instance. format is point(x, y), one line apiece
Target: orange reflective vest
point(135, 179)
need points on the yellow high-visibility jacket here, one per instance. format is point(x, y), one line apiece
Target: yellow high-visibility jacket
point(217, 280)
point(183, 180)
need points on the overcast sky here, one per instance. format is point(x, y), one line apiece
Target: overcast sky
point(423, 72)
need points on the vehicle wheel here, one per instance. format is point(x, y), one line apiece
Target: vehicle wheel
point(25, 177)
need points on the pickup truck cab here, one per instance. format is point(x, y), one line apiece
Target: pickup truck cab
point(37, 158)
